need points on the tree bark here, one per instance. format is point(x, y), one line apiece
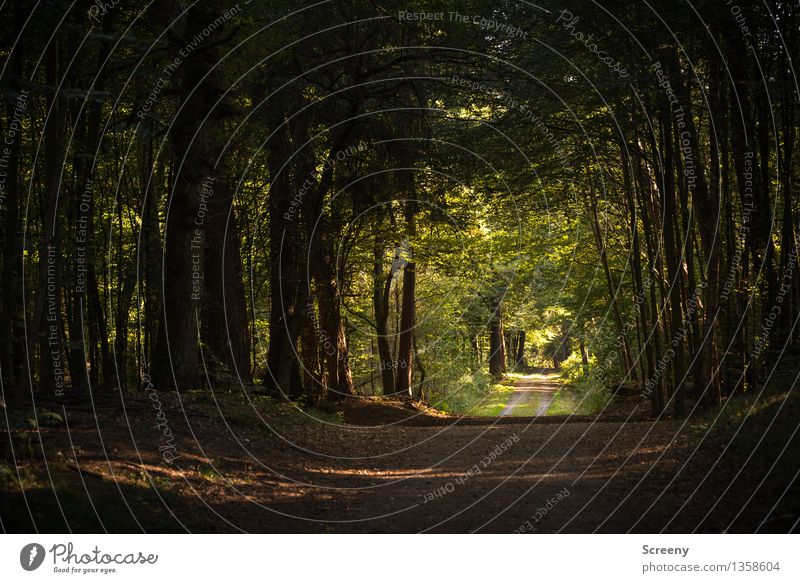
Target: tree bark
point(194, 135)
point(497, 344)
point(520, 357)
point(622, 332)
point(10, 305)
point(381, 289)
point(49, 324)
point(673, 251)
point(225, 324)
point(333, 341)
point(286, 281)
point(405, 352)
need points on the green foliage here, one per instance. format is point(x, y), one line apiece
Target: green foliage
point(584, 392)
point(573, 370)
point(472, 393)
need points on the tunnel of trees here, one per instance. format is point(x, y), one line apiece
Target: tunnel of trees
point(348, 197)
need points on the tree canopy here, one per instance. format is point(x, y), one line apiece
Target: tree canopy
point(388, 198)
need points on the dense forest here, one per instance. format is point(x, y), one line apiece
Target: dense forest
point(400, 202)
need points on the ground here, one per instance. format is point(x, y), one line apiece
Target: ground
point(246, 463)
point(532, 394)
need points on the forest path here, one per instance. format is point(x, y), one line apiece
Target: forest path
point(533, 393)
point(279, 473)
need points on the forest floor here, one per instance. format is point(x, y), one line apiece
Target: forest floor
point(248, 463)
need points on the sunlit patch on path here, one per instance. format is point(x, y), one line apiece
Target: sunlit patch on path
point(532, 394)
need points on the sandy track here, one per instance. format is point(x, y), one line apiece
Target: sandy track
point(535, 390)
point(484, 475)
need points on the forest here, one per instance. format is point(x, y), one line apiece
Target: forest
point(299, 267)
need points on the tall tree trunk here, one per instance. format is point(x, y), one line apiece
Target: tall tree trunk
point(673, 251)
point(286, 281)
point(310, 353)
point(497, 344)
point(194, 133)
point(381, 289)
point(333, 342)
point(755, 213)
point(789, 263)
point(151, 250)
point(707, 213)
point(622, 332)
point(405, 352)
point(225, 325)
point(520, 356)
point(10, 305)
point(48, 324)
point(654, 385)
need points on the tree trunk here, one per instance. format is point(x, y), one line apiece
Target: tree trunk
point(381, 289)
point(673, 251)
point(520, 357)
point(151, 258)
point(405, 351)
point(622, 332)
point(287, 299)
point(194, 135)
point(225, 326)
point(310, 352)
point(48, 324)
point(707, 213)
point(333, 340)
point(636, 255)
point(497, 345)
point(10, 305)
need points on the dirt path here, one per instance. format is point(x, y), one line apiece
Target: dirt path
point(264, 470)
point(532, 394)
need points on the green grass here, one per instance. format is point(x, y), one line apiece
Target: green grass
point(529, 409)
point(492, 404)
point(565, 402)
point(580, 398)
point(747, 413)
point(490, 401)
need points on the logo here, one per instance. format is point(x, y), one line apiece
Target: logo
point(31, 556)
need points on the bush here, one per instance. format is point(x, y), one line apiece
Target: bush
point(585, 391)
point(463, 393)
